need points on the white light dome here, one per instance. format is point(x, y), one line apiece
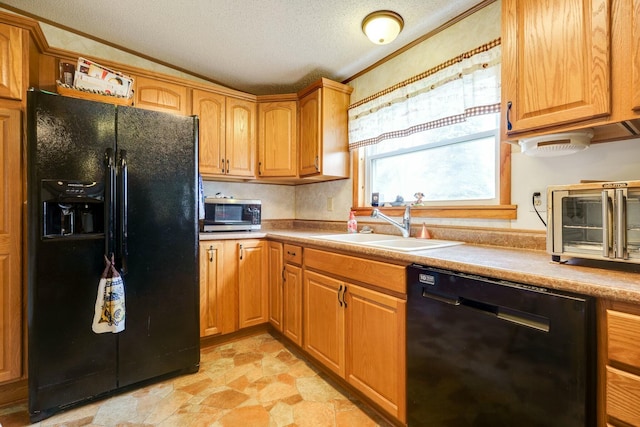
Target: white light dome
point(557, 144)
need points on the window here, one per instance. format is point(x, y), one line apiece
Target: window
point(448, 169)
point(436, 133)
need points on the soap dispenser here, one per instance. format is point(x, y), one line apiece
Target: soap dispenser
point(352, 224)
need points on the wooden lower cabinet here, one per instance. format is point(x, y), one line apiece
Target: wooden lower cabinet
point(292, 303)
point(357, 332)
point(285, 290)
point(276, 281)
point(324, 321)
point(211, 287)
point(11, 332)
point(252, 282)
point(233, 285)
point(619, 364)
point(376, 347)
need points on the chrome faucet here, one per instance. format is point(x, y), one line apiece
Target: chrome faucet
point(405, 227)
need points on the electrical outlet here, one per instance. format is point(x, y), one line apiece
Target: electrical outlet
point(329, 204)
point(539, 202)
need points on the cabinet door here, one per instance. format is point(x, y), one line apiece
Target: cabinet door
point(275, 284)
point(210, 109)
point(292, 303)
point(555, 59)
point(240, 137)
point(376, 347)
point(157, 95)
point(252, 283)
point(310, 133)
point(324, 320)
point(10, 246)
point(635, 52)
point(211, 285)
point(277, 142)
point(11, 62)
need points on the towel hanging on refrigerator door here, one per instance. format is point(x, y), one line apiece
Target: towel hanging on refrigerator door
point(109, 314)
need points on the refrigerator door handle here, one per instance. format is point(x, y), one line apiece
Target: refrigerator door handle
point(123, 204)
point(109, 201)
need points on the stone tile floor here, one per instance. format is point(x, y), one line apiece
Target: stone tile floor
point(251, 382)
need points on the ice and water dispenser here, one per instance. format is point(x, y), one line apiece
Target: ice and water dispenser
point(72, 208)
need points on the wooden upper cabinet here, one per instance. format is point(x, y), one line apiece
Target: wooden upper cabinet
point(10, 246)
point(635, 54)
point(310, 133)
point(240, 144)
point(323, 132)
point(158, 95)
point(210, 108)
point(555, 62)
point(277, 141)
point(11, 66)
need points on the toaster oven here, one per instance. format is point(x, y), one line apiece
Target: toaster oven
point(594, 220)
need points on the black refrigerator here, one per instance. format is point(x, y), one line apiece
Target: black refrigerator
point(106, 180)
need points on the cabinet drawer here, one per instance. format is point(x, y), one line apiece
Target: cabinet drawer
point(292, 254)
point(388, 276)
point(623, 339)
point(623, 395)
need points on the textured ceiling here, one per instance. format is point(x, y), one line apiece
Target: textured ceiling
point(257, 46)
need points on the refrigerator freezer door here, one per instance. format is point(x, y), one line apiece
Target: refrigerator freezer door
point(67, 362)
point(162, 329)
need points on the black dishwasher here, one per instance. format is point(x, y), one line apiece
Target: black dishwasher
point(484, 352)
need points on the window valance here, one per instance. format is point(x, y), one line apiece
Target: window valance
point(464, 86)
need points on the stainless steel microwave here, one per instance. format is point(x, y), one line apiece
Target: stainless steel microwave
point(231, 214)
point(598, 220)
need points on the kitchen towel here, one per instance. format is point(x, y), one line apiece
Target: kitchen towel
point(109, 313)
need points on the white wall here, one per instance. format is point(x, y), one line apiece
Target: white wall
point(612, 161)
point(278, 201)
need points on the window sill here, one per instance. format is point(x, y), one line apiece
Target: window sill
point(469, 211)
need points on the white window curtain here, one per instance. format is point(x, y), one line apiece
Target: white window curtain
point(467, 85)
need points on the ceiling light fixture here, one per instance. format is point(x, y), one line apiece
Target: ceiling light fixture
point(382, 26)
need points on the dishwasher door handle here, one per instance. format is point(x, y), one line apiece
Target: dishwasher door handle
point(441, 298)
point(518, 317)
point(506, 314)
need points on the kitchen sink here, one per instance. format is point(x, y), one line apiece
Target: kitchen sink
point(409, 244)
point(357, 238)
point(386, 241)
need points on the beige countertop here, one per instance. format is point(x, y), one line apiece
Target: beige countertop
point(618, 281)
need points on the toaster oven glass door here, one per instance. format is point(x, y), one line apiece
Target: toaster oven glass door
point(583, 225)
